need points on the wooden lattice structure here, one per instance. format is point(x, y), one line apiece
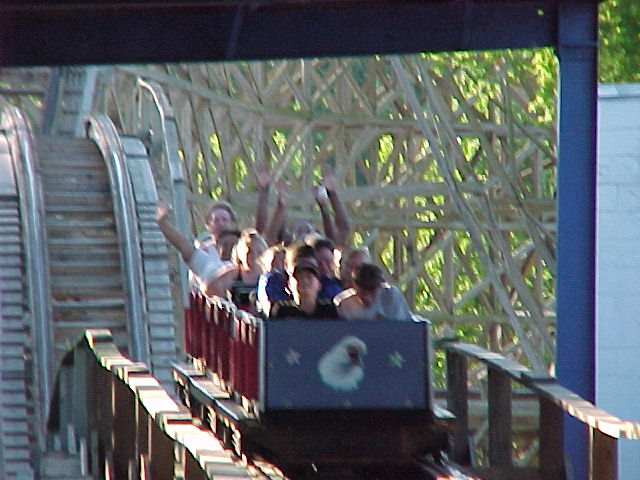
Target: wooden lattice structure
point(453, 193)
point(448, 171)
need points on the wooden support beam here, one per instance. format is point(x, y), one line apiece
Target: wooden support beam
point(550, 453)
point(603, 454)
point(500, 438)
point(123, 429)
point(457, 392)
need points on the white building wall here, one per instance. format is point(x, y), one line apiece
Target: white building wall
point(618, 262)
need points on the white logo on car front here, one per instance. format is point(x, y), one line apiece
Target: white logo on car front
point(342, 367)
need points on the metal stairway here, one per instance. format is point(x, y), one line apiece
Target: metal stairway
point(79, 249)
point(62, 466)
point(16, 406)
point(84, 257)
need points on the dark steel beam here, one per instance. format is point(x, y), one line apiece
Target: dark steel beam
point(59, 33)
point(578, 55)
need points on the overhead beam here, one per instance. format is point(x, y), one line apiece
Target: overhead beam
point(81, 32)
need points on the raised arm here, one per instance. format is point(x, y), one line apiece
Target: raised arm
point(343, 225)
point(173, 236)
point(263, 184)
point(214, 276)
point(279, 215)
point(322, 200)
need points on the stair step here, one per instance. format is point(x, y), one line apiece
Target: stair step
point(83, 155)
point(96, 304)
point(90, 237)
point(56, 150)
point(10, 261)
point(19, 471)
point(77, 198)
point(84, 160)
point(105, 262)
point(84, 268)
point(56, 465)
point(9, 220)
point(16, 440)
point(9, 239)
point(13, 366)
point(11, 285)
point(66, 132)
point(83, 281)
point(10, 454)
point(12, 298)
point(8, 330)
point(74, 318)
point(10, 230)
point(106, 208)
point(93, 293)
point(9, 211)
point(56, 223)
point(97, 252)
point(84, 324)
point(10, 249)
point(52, 141)
point(64, 339)
point(82, 242)
point(60, 186)
point(74, 167)
point(55, 175)
point(10, 273)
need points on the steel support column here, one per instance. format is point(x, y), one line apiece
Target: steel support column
point(577, 51)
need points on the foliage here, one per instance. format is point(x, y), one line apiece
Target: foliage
point(619, 24)
point(480, 79)
point(508, 89)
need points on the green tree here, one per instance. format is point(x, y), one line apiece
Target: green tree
point(619, 41)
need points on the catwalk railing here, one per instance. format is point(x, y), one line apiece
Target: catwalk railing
point(554, 402)
point(124, 424)
point(226, 342)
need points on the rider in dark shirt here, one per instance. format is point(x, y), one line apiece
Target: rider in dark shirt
point(242, 294)
point(305, 286)
point(325, 309)
point(324, 253)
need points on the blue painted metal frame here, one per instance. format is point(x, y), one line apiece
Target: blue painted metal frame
point(577, 51)
point(125, 31)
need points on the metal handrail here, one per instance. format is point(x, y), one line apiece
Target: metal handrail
point(169, 135)
point(101, 130)
point(555, 401)
point(24, 155)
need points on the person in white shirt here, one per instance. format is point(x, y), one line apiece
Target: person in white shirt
point(204, 262)
point(220, 218)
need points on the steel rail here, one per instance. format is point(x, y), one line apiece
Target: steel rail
point(101, 130)
point(178, 186)
point(21, 143)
